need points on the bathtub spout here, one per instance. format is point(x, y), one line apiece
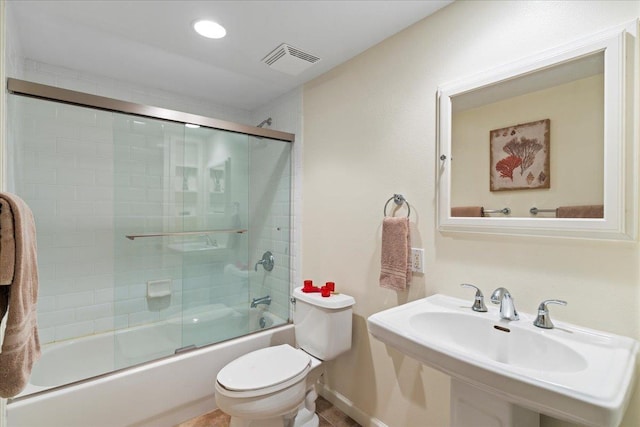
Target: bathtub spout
point(263, 300)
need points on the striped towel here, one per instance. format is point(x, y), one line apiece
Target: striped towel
point(395, 271)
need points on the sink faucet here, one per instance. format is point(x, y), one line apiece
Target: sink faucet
point(478, 303)
point(262, 300)
point(543, 320)
point(507, 307)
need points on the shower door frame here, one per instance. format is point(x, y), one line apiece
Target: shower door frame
point(81, 99)
point(52, 93)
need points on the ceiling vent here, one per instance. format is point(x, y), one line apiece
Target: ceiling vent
point(289, 59)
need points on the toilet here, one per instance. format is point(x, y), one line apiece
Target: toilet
point(275, 386)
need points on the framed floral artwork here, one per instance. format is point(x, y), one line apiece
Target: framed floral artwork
point(520, 156)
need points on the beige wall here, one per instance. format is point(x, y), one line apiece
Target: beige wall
point(369, 132)
point(575, 111)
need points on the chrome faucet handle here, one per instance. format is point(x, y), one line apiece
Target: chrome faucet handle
point(267, 261)
point(507, 306)
point(544, 320)
point(478, 304)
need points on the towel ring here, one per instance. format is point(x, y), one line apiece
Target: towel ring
point(398, 199)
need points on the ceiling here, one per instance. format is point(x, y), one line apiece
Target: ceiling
point(151, 43)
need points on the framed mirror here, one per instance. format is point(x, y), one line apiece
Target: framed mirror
point(544, 146)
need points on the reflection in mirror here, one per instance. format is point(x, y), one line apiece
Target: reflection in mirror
point(511, 141)
point(217, 183)
point(540, 147)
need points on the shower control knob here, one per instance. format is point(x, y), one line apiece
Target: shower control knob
point(267, 261)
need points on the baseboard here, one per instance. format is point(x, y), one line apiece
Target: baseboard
point(347, 406)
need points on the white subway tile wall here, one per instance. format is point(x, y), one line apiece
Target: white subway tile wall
point(286, 115)
point(64, 168)
point(270, 191)
point(56, 175)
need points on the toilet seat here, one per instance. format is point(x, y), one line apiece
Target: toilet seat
point(263, 371)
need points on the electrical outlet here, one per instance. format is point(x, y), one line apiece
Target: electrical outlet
point(417, 260)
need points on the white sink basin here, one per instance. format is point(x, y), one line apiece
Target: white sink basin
point(519, 347)
point(568, 372)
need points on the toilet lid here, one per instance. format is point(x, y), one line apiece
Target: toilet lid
point(264, 368)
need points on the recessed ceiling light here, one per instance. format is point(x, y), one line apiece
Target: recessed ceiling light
point(209, 29)
point(192, 125)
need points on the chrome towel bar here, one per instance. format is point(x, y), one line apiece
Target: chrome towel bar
point(535, 211)
point(505, 211)
point(186, 233)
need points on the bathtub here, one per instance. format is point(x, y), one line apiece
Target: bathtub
point(156, 394)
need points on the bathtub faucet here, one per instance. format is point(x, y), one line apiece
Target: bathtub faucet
point(263, 300)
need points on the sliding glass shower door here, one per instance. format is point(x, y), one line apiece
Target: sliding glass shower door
point(181, 225)
point(150, 232)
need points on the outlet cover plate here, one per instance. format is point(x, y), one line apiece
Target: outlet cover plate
point(417, 260)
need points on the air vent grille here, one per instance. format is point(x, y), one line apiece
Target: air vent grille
point(274, 56)
point(303, 55)
point(290, 60)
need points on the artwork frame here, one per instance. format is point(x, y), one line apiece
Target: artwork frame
point(520, 156)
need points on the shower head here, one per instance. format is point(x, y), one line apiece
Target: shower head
point(266, 121)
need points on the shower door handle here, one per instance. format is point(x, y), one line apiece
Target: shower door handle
point(267, 261)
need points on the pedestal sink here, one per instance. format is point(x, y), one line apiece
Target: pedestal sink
point(569, 372)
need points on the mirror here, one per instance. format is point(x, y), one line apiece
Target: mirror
point(543, 146)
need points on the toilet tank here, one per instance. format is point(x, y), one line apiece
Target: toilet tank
point(323, 324)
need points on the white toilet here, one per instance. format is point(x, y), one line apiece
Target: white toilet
point(275, 386)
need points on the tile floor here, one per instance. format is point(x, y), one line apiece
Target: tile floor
point(329, 415)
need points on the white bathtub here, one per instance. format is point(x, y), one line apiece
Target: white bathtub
point(156, 394)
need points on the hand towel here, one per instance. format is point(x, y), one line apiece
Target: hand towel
point(7, 244)
point(586, 211)
point(21, 345)
point(395, 271)
point(467, 211)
